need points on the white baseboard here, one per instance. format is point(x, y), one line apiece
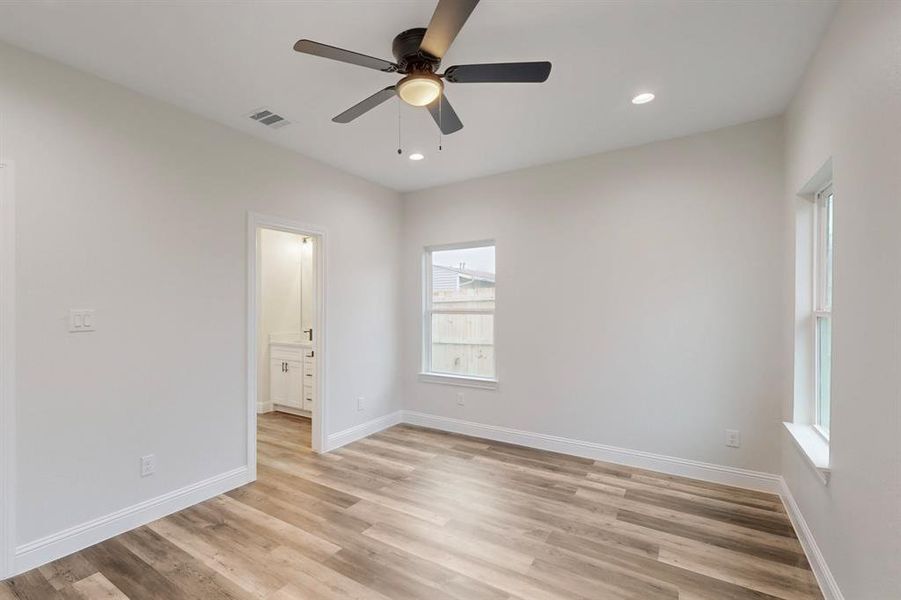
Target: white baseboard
point(821, 571)
point(264, 407)
point(297, 412)
point(58, 545)
point(358, 432)
point(670, 465)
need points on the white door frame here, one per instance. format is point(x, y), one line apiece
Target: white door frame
point(7, 370)
point(255, 222)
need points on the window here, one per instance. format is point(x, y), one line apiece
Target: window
point(458, 315)
point(822, 309)
point(810, 425)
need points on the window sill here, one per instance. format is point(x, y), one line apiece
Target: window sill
point(475, 382)
point(813, 447)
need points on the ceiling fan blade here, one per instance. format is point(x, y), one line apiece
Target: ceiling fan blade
point(445, 116)
point(366, 105)
point(340, 54)
point(524, 72)
point(446, 23)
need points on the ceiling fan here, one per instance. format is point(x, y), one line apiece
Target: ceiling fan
point(418, 53)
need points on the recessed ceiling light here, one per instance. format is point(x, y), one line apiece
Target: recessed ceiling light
point(416, 156)
point(643, 98)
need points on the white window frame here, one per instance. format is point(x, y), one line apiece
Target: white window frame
point(804, 429)
point(426, 374)
point(822, 309)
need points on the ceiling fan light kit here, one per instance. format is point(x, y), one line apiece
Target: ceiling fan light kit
point(420, 89)
point(418, 53)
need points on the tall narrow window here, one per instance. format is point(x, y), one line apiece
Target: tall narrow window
point(822, 309)
point(459, 302)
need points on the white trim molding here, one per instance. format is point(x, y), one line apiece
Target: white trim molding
point(57, 545)
point(7, 369)
point(813, 447)
point(459, 380)
point(358, 432)
point(821, 571)
point(755, 480)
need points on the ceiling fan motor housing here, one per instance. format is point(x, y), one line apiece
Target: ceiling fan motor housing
point(410, 59)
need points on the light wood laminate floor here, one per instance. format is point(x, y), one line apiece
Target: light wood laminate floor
point(415, 513)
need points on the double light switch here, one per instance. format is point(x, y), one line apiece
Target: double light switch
point(81, 320)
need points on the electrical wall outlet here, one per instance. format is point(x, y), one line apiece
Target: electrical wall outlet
point(81, 319)
point(461, 401)
point(361, 401)
point(733, 438)
point(148, 465)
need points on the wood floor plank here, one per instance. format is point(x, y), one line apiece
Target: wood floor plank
point(98, 587)
point(184, 570)
point(128, 573)
point(66, 571)
point(497, 576)
point(777, 580)
point(221, 558)
point(5, 592)
point(758, 547)
point(412, 513)
point(315, 580)
point(32, 586)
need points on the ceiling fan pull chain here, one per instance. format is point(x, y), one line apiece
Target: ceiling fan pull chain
point(399, 146)
point(440, 121)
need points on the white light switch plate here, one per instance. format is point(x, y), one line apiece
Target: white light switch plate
point(81, 319)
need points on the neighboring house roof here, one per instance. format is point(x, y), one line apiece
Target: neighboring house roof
point(468, 273)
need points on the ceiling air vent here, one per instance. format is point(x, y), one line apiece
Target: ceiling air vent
point(268, 118)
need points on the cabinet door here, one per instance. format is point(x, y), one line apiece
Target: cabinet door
point(294, 384)
point(277, 381)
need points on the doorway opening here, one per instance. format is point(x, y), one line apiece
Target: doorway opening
point(286, 331)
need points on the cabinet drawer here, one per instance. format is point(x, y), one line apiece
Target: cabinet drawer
point(285, 353)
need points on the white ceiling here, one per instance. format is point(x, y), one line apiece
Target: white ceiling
point(711, 64)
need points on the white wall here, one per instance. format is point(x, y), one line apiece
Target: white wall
point(849, 109)
point(138, 210)
point(283, 257)
point(638, 295)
